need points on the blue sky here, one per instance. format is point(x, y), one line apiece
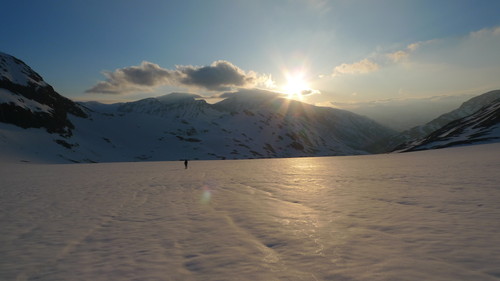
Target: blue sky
point(339, 52)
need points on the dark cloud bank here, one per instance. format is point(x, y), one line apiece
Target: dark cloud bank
point(219, 76)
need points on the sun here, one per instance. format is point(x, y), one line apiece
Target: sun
point(296, 84)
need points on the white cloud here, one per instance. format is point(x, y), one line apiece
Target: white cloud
point(398, 56)
point(360, 67)
point(376, 61)
point(412, 47)
point(472, 48)
point(494, 31)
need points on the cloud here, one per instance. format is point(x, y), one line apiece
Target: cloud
point(402, 55)
point(486, 32)
point(144, 77)
point(360, 67)
point(414, 46)
point(398, 56)
point(219, 76)
point(378, 60)
point(309, 92)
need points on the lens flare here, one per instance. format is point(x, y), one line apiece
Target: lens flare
point(206, 194)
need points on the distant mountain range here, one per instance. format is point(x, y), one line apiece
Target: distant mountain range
point(38, 124)
point(482, 126)
point(247, 124)
point(467, 108)
point(410, 139)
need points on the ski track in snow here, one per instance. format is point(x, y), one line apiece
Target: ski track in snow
point(430, 215)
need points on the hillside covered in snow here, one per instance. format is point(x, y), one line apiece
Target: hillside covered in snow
point(473, 106)
point(40, 125)
point(29, 102)
point(482, 126)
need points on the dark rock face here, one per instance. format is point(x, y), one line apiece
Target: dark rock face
point(27, 85)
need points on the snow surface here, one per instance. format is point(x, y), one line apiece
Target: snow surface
point(430, 215)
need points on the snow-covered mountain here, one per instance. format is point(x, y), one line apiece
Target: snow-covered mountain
point(29, 102)
point(247, 124)
point(407, 138)
point(483, 126)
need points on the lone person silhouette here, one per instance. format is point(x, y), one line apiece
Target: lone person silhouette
point(185, 164)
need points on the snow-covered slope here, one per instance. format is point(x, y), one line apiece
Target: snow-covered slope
point(28, 102)
point(428, 215)
point(247, 124)
point(482, 126)
point(18, 73)
point(242, 126)
point(467, 108)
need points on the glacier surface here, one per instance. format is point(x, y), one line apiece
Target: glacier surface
point(430, 215)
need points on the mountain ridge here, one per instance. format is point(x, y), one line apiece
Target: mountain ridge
point(30, 101)
point(38, 124)
point(466, 108)
point(248, 123)
point(482, 126)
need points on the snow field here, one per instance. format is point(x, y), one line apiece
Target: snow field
point(430, 215)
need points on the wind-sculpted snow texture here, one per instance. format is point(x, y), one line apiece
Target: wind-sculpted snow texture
point(431, 215)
